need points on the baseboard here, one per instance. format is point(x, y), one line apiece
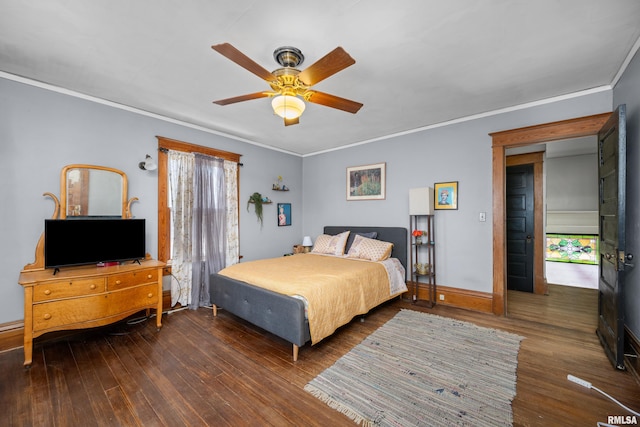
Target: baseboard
point(460, 298)
point(11, 335)
point(632, 353)
point(464, 298)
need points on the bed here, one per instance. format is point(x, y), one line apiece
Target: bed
point(288, 316)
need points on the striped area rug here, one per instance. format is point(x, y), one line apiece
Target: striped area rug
point(420, 369)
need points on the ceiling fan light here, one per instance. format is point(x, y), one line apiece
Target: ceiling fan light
point(287, 106)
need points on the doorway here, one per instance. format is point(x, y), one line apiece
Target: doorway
point(571, 201)
point(566, 211)
point(584, 126)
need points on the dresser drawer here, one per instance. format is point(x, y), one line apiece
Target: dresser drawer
point(68, 289)
point(134, 278)
point(52, 315)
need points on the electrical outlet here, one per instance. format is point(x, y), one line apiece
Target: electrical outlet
point(441, 297)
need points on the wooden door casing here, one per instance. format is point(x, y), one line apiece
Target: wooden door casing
point(536, 159)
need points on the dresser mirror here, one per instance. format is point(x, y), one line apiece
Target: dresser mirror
point(87, 190)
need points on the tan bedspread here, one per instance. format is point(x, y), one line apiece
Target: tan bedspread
point(337, 289)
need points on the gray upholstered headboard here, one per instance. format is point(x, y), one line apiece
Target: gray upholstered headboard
point(396, 235)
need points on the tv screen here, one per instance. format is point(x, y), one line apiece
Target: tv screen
point(92, 240)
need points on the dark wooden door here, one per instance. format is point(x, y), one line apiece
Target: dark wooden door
point(612, 144)
point(520, 227)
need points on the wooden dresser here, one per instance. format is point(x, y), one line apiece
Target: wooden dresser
point(88, 296)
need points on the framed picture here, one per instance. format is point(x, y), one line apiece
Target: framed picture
point(284, 214)
point(445, 195)
point(366, 182)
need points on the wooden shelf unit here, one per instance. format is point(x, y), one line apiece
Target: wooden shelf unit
point(423, 284)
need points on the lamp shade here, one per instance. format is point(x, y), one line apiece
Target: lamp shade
point(421, 201)
point(307, 241)
point(149, 164)
point(287, 106)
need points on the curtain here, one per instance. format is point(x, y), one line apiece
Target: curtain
point(203, 204)
point(180, 171)
point(208, 227)
point(232, 255)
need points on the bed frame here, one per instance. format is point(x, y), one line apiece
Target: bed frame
point(280, 314)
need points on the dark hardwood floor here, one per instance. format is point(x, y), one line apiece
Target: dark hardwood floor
point(199, 370)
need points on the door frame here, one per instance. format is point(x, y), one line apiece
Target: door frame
point(548, 132)
point(535, 159)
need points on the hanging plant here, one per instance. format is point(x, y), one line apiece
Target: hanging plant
point(256, 200)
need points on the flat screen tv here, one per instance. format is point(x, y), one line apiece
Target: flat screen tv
point(78, 241)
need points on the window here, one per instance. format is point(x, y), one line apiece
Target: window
point(178, 160)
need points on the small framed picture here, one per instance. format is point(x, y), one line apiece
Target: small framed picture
point(445, 195)
point(366, 182)
point(284, 214)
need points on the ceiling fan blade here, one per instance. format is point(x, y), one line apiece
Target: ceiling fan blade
point(244, 61)
point(247, 97)
point(328, 65)
point(289, 122)
point(334, 102)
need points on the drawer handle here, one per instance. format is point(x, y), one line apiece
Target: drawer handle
point(150, 295)
point(47, 292)
point(93, 286)
point(149, 276)
point(47, 316)
point(118, 282)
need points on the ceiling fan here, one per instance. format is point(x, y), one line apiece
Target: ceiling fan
point(290, 87)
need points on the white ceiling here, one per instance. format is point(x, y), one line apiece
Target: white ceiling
point(418, 62)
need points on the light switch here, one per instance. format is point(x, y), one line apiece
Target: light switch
point(483, 216)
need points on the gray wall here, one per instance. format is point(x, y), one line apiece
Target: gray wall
point(627, 91)
point(572, 183)
point(457, 152)
point(41, 131)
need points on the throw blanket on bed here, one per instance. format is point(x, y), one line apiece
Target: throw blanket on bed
point(336, 289)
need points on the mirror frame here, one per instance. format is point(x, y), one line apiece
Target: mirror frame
point(125, 203)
